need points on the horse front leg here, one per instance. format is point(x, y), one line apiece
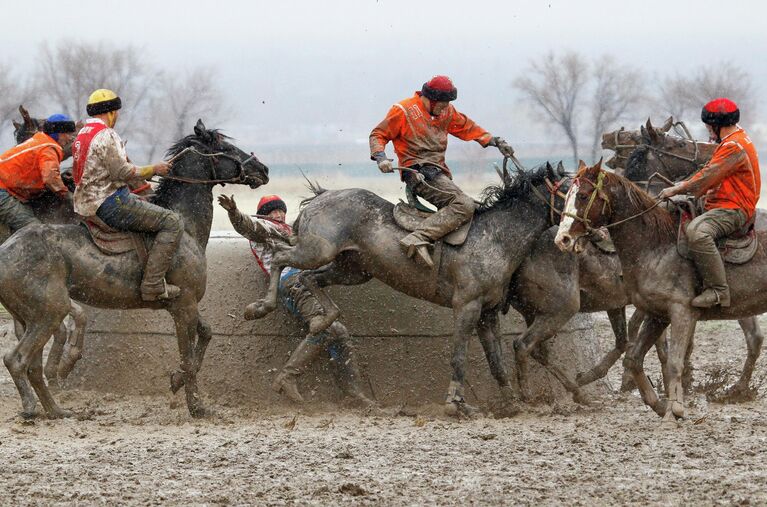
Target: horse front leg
point(634, 324)
point(682, 331)
point(74, 350)
point(185, 320)
point(55, 353)
point(488, 330)
point(617, 318)
point(466, 317)
point(204, 335)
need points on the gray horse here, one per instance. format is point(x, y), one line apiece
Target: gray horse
point(41, 266)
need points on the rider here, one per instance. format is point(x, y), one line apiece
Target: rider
point(731, 183)
point(268, 233)
point(102, 173)
point(418, 128)
point(32, 167)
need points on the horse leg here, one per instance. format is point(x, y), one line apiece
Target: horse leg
point(310, 252)
point(543, 327)
point(740, 391)
point(617, 318)
point(661, 348)
point(331, 312)
point(77, 339)
point(635, 322)
point(55, 353)
point(651, 329)
point(688, 369)
point(185, 319)
point(682, 331)
point(204, 335)
point(489, 335)
point(52, 409)
point(18, 361)
point(466, 317)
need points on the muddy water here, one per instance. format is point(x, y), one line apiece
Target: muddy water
point(146, 450)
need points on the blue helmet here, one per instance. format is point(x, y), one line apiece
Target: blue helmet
point(57, 124)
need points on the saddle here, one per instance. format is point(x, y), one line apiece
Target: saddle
point(113, 242)
point(737, 248)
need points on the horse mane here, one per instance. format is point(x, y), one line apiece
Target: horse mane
point(503, 196)
point(658, 223)
point(636, 164)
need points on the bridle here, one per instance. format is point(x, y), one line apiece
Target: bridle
point(694, 160)
point(598, 191)
point(240, 177)
point(552, 187)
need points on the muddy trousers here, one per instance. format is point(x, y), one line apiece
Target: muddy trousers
point(702, 234)
point(455, 208)
point(335, 342)
point(126, 212)
point(15, 214)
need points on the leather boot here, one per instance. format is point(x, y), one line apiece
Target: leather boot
point(347, 374)
point(153, 286)
point(414, 244)
point(300, 359)
point(711, 269)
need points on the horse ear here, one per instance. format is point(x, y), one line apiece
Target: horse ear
point(549, 170)
point(598, 165)
point(28, 122)
point(560, 168)
point(200, 130)
point(16, 125)
point(651, 132)
point(581, 165)
point(667, 125)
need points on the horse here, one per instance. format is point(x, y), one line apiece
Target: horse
point(51, 209)
point(659, 281)
point(76, 268)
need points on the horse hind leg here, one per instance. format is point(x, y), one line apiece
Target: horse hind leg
point(466, 317)
point(634, 324)
point(54, 355)
point(617, 318)
point(74, 350)
point(52, 409)
point(310, 252)
point(741, 390)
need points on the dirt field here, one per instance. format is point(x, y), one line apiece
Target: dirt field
point(146, 450)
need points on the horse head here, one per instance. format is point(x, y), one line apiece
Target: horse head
point(208, 157)
point(623, 141)
point(28, 127)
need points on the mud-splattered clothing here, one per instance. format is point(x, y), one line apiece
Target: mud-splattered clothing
point(105, 170)
point(731, 179)
point(419, 138)
point(32, 167)
point(266, 236)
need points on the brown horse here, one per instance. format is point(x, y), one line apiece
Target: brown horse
point(659, 281)
point(42, 266)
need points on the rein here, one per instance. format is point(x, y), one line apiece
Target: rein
point(239, 178)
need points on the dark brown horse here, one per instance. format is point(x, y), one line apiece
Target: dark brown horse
point(659, 281)
point(42, 266)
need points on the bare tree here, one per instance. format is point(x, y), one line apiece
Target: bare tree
point(554, 85)
point(68, 72)
point(617, 93)
point(683, 96)
point(14, 91)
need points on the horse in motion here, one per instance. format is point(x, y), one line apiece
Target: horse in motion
point(42, 266)
point(659, 281)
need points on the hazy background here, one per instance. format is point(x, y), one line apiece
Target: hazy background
point(302, 83)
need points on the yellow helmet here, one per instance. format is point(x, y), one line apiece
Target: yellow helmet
point(103, 101)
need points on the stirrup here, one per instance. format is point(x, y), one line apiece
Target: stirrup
point(169, 292)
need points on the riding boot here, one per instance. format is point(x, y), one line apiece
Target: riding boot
point(153, 286)
point(711, 268)
point(285, 383)
point(347, 374)
point(414, 244)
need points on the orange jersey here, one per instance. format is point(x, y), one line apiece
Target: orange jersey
point(418, 137)
point(27, 169)
point(731, 179)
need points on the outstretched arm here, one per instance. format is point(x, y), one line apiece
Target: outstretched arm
point(254, 230)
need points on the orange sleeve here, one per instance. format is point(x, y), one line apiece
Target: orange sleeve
point(725, 161)
point(463, 127)
point(50, 171)
point(388, 130)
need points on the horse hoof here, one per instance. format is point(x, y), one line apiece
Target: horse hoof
point(669, 422)
point(176, 381)
point(677, 408)
point(60, 414)
point(581, 379)
point(660, 407)
point(256, 310)
point(460, 409)
point(581, 398)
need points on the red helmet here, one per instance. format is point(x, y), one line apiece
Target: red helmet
point(439, 89)
point(269, 203)
point(720, 112)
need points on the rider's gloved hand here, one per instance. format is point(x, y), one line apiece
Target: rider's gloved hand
point(669, 192)
point(504, 147)
point(227, 202)
point(161, 169)
point(385, 166)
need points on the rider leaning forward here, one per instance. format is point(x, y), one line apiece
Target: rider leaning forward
point(103, 176)
point(31, 168)
point(418, 128)
point(268, 233)
point(731, 183)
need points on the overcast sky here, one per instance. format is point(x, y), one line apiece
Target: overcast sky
point(316, 72)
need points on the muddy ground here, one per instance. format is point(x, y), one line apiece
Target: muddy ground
point(147, 450)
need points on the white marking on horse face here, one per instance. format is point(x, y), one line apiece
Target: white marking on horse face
point(563, 239)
